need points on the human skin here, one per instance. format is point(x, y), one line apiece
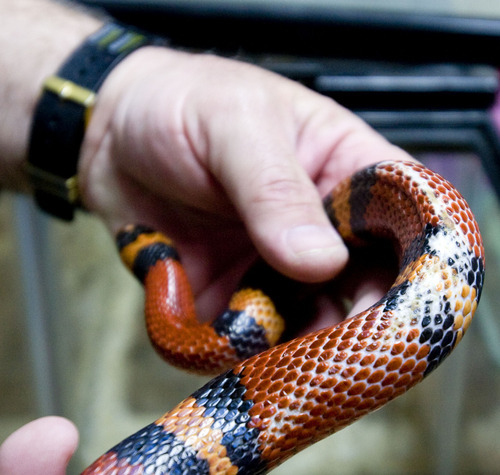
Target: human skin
point(230, 160)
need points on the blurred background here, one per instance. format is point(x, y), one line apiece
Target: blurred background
point(424, 73)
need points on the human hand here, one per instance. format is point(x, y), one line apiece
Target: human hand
point(226, 159)
point(41, 447)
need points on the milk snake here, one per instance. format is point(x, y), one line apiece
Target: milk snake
point(284, 398)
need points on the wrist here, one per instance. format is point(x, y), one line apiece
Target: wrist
point(63, 113)
point(52, 32)
point(117, 116)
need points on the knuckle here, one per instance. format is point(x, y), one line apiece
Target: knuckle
point(276, 185)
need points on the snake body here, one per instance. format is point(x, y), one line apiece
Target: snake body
point(271, 405)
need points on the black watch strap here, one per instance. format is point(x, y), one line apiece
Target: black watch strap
point(63, 112)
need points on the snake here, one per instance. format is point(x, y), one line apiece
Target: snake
point(272, 398)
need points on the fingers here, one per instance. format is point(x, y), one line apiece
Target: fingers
point(273, 193)
point(277, 169)
point(285, 219)
point(310, 245)
point(216, 135)
point(42, 447)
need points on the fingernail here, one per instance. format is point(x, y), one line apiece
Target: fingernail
point(310, 238)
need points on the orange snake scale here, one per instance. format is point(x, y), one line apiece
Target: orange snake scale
point(277, 400)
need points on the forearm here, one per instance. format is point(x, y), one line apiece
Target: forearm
point(35, 39)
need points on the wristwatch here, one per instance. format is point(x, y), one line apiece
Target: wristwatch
point(64, 110)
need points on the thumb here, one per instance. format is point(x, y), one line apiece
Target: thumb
point(43, 446)
point(285, 218)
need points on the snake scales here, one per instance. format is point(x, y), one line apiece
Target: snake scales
point(266, 408)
